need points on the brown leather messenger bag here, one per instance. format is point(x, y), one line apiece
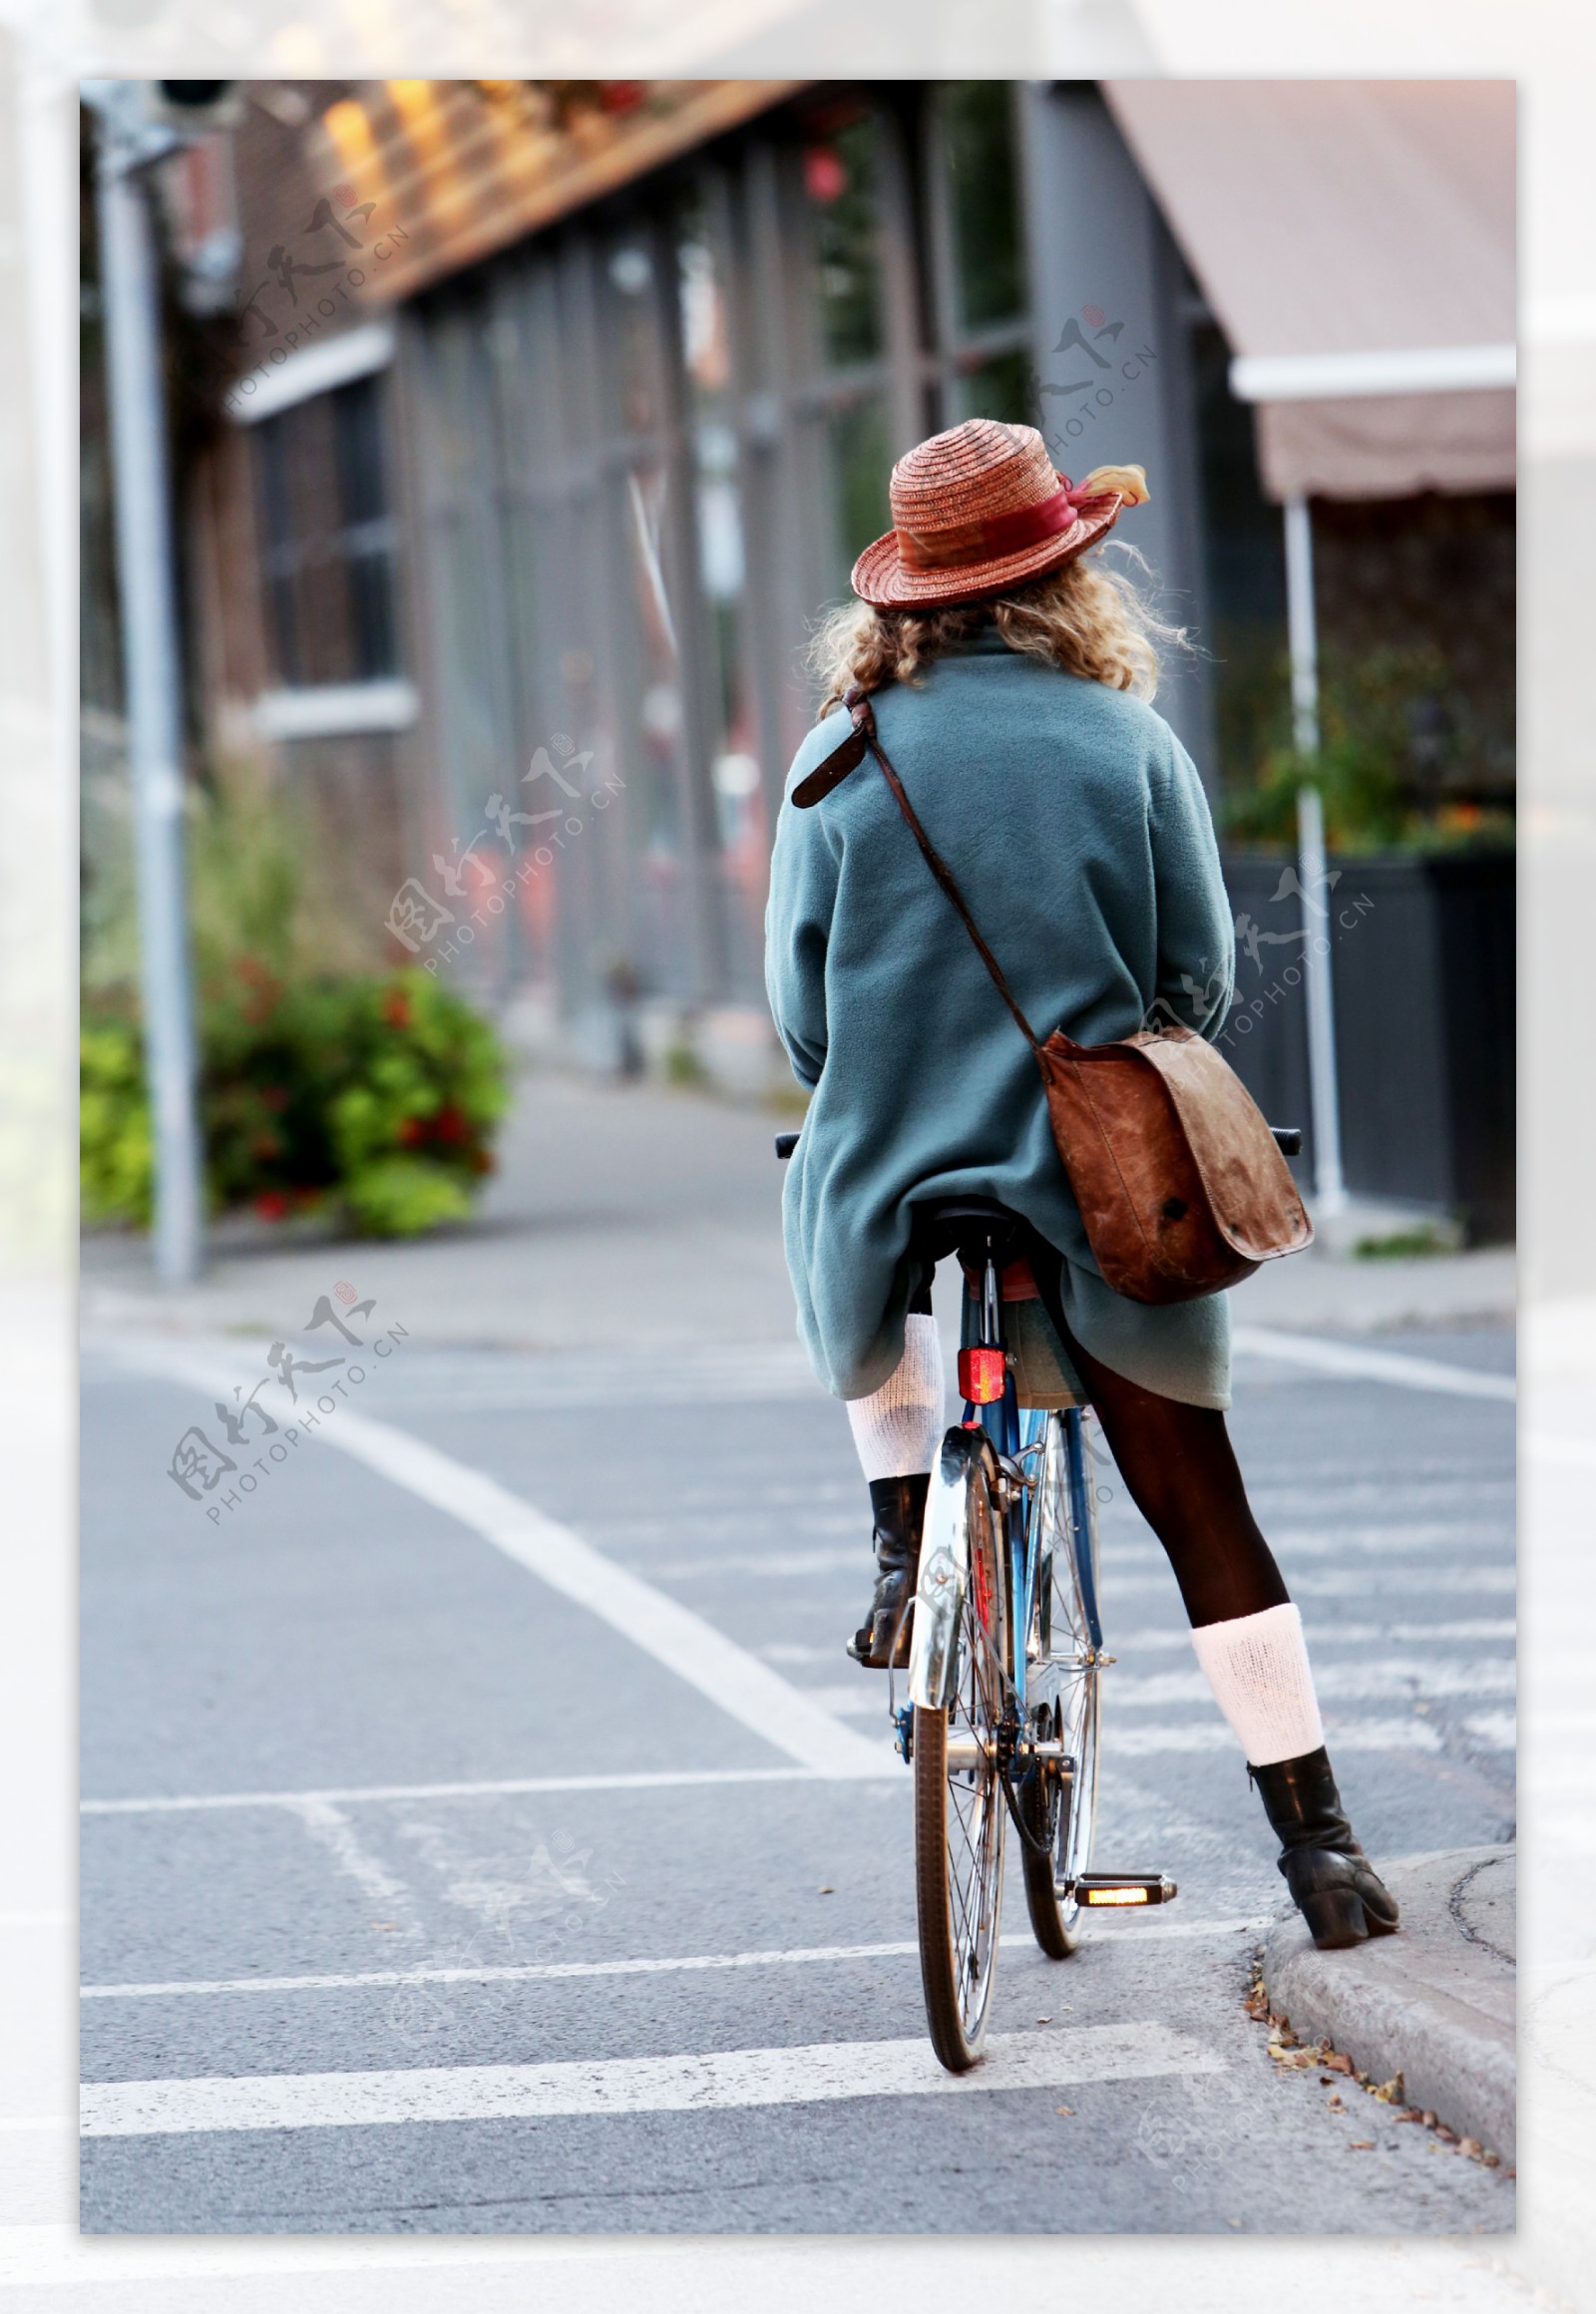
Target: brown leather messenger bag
point(1179, 1182)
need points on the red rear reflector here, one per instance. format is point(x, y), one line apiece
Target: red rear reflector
point(982, 1373)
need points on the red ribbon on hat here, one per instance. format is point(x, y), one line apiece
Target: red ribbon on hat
point(998, 536)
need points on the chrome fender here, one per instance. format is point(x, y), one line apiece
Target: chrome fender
point(943, 1570)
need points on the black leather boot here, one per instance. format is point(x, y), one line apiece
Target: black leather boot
point(899, 1509)
point(1335, 1888)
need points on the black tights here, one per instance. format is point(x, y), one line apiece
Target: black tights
point(1181, 1470)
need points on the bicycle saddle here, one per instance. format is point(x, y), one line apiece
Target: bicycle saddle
point(946, 1225)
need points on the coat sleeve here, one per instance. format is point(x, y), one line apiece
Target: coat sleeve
point(803, 894)
point(1196, 937)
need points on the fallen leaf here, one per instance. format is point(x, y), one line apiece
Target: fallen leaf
point(1491, 2161)
point(1360, 2145)
point(1337, 2106)
point(828, 1892)
point(1448, 2136)
point(1070, 2111)
point(1469, 2146)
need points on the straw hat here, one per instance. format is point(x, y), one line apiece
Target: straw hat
point(980, 509)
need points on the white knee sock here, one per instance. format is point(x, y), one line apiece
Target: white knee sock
point(1257, 1666)
point(898, 1428)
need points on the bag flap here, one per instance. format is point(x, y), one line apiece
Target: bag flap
point(1250, 1189)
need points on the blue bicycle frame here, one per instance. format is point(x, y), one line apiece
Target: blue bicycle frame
point(1012, 1435)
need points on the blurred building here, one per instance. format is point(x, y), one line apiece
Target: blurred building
point(555, 411)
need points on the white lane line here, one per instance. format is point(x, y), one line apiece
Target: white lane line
point(1397, 1676)
point(1353, 1362)
point(535, 1971)
point(640, 1780)
point(732, 2080)
point(1322, 1633)
point(1351, 1735)
point(745, 1689)
point(1346, 1583)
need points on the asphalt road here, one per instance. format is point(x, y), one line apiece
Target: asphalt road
point(427, 1885)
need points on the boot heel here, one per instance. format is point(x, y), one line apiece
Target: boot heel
point(1335, 1917)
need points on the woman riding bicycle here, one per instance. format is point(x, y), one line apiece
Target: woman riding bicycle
point(1008, 678)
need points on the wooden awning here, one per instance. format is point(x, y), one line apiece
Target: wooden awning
point(457, 170)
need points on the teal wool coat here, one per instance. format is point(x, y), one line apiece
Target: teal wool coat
point(1078, 829)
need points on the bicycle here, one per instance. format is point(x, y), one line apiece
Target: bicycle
point(1006, 1657)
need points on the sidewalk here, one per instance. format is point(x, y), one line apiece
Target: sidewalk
point(631, 1215)
point(1435, 2003)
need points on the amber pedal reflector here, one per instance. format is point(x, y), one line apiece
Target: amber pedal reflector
point(1105, 1889)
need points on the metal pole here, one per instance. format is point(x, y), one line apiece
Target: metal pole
point(1329, 1191)
point(153, 684)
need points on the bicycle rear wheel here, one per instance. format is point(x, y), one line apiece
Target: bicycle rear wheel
point(1059, 1805)
point(959, 1800)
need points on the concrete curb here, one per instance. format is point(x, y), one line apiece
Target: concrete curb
point(1437, 2003)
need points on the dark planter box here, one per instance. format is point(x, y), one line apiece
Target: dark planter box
point(1424, 963)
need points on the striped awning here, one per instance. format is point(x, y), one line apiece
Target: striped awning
point(1356, 242)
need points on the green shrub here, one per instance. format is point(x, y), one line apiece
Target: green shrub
point(117, 1163)
point(1375, 797)
point(376, 1098)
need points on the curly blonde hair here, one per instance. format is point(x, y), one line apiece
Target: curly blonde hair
point(1086, 618)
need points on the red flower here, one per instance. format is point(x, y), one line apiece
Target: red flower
point(271, 1205)
point(825, 174)
point(396, 1008)
point(449, 1124)
point(412, 1130)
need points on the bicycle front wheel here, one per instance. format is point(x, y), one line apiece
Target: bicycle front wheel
point(959, 1800)
point(1059, 1805)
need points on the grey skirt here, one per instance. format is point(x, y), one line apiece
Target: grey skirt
point(1180, 1351)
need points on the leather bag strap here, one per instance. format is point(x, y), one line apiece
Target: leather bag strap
point(864, 725)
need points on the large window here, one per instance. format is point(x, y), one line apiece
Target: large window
point(979, 252)
point(327, 540)
point(652, 443)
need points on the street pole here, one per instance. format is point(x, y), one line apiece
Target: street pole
point(1329, 1191)
point(130, 289)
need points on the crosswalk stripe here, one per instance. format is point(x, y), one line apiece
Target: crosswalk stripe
point(636, 1779)
point(731, 2080)
point(1356, 1361)
point(1396, 1677)
point(1123, 1743)
point(692, 1964)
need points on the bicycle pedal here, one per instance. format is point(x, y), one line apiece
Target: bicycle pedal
point(1105, 1890)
